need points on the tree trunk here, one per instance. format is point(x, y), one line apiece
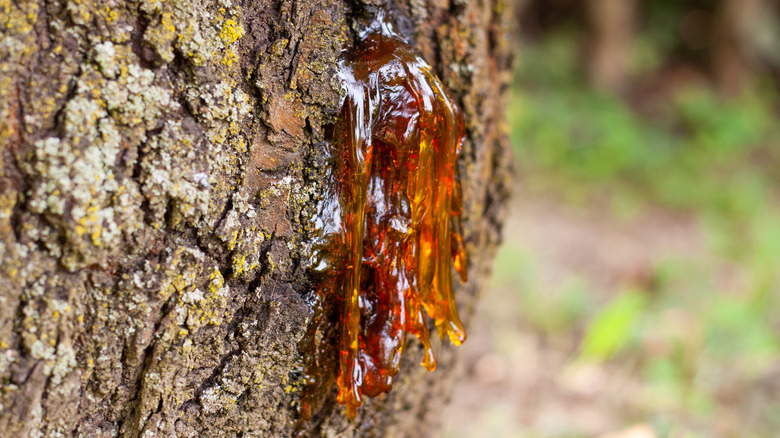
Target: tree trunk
point(732, 60)
point(155, 203)
point(612, 38)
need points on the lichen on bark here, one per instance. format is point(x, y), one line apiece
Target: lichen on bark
point(157, 175)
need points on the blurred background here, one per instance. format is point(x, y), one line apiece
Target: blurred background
point(635, 293)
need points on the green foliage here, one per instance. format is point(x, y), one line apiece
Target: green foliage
point(697, 155)
point(613, 326)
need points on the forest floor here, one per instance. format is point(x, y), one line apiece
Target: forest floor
point(634, 294)
point(532, 367)
point(523, 375)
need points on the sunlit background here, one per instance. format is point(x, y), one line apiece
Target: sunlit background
point(636, 294)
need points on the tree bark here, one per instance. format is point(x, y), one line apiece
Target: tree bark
point(155, 203)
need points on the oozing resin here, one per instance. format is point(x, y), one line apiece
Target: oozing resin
point(388, 230)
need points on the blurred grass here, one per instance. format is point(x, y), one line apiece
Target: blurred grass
point(700, 348)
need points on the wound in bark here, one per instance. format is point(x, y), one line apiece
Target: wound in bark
point(388, 228)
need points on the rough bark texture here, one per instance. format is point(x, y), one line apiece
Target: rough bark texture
point(155, 201)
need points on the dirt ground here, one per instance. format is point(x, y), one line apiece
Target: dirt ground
point(523, 382)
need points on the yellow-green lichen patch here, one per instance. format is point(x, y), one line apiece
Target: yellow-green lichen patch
point(17, 43)
point(242, 235)
point(222, 109)
point(80, 11)
point(105, 54)
point(175, 171)
point(74, 181)
point(160, 36)
point(220, 106)
point(18, 18)
point(77, 186)
point(215, 399)
point(135, 100)
point(192, 282)
point(231, 31)
point(44, 332)
point(205, 306)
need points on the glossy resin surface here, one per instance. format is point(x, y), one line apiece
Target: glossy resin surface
point(388, 230)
